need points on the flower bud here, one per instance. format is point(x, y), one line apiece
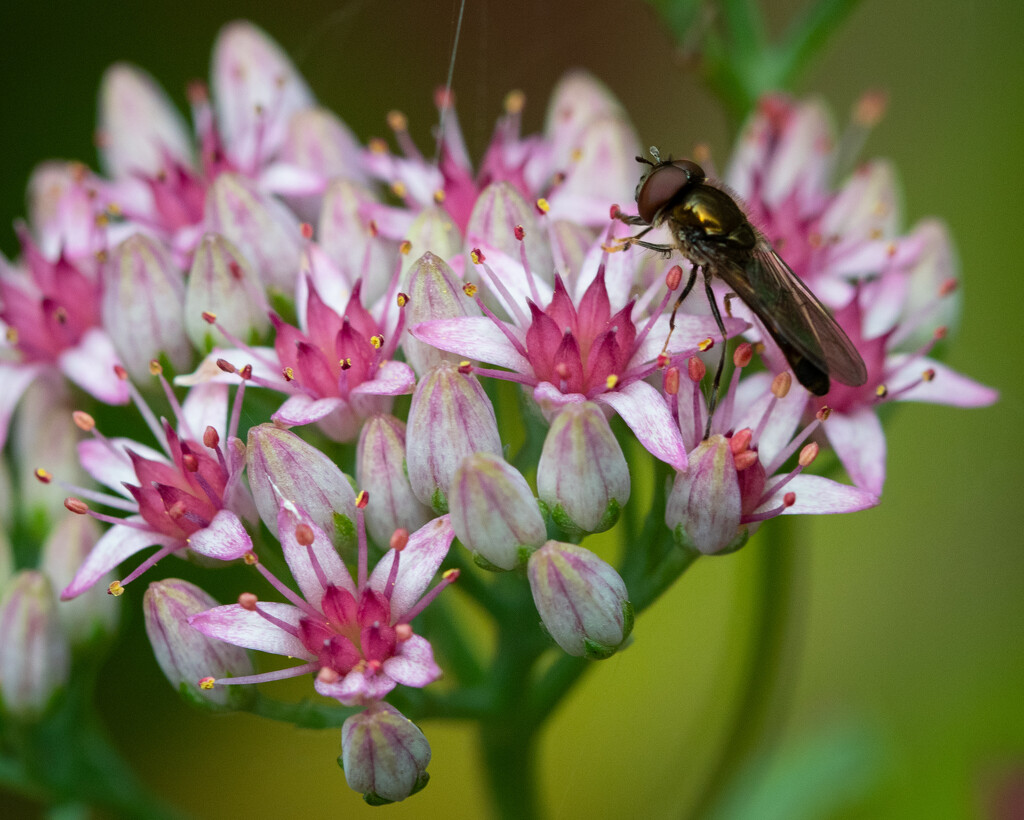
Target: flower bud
point(186, 655)
point(432, 231)
point(222, 282)
point(34, 656)
point(494, 513)
point(347, 238)
point(304, 476)
point(582, 601)
point(144, 306)
point(318, 141)
point(384, 755)
point(42, 437)
point(450, 418)
point(582, 475)
point(498, 208)
point(259, 223)
point(139, 126)
point(380, 470)
point(434, 293)
point(704, 506)
point(256, 89)
point(93, 615)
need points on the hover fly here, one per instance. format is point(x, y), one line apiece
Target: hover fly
point(711, 231)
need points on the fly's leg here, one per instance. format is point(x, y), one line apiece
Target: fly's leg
point(713, 399)
point(679, 300)
point(630, 219)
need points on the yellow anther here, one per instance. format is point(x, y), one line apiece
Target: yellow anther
point(469, 289)
point(398, 188)
point(543, 206)
point(377, 341)
point(115, 589)
point(405, 248)
point(438, 196)
point(611, 381)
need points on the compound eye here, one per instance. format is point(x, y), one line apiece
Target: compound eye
point(656, 189)
point(692, 169)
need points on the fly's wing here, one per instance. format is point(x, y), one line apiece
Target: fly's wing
point(793, 315)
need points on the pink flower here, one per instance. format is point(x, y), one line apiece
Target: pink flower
point(263, 131)
point(187, 498)
point(336, 368)
point(50, 303)
point(736, 477)
point(580, 165)
point(354, 634)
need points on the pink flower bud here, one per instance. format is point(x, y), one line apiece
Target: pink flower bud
point(139, 127)
point(450, 418)
point(34, 654)
point(384, 755)
point(259, 224)
point(302, 475)
point(186, 655)
point(432, 231)
point(705, 504)
point(582, 475)
point(42, 437)
point(222, 282)
point(93, 615)
point(435, 292)
point(345, 236)
point(380, 470)
point(493, 511)
point(582, 601)
point(498, 208)
point(144, 306)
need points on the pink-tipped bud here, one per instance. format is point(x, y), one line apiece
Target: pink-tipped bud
point(35, 659)
point(144, 305)
point(223, 283)
point(582, 601)
point(302, 474)
point(380, 469)
point(494, 513)
point(582, 476)
point(384, 755)
point(185, 654)
point(449, 419)
point(704, 507)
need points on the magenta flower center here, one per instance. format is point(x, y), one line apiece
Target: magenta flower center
point(181, 498)
point(581, 349)
point(64, 305)
point(336, 354)
point(351, 632)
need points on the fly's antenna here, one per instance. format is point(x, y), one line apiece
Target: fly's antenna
point(448, 84)
point(644, 161)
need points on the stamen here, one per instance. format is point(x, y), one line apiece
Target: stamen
point(520, 318)
point(266, 677)
point(362, 499)
point(448, 577)
point(163, 552)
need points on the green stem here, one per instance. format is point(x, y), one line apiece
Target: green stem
point(759, 675)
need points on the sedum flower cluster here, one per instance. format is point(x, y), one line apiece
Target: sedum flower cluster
point(259, 259)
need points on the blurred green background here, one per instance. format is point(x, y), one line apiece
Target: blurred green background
point(905, 656)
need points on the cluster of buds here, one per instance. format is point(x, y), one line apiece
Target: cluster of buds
point(506, 273)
